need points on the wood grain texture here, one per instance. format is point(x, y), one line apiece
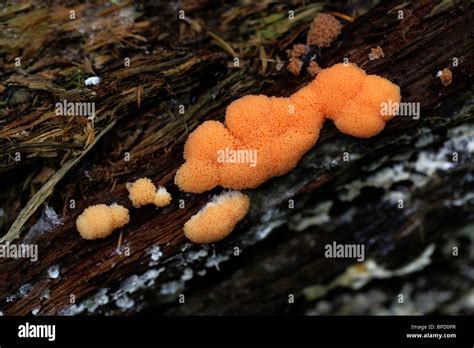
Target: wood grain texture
point(275, 260)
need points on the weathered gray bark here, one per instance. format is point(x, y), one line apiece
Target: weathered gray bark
point(281, 249)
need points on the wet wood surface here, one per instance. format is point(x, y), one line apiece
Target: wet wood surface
point(269, 256)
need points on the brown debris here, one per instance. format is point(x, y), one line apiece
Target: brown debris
point(295, 64)
point(313, 68)
point(298, 50)
point(446, 77)
point(324, 29)
point(376, 53)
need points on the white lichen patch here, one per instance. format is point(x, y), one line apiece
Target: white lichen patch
point(458, 147)
point(419, 303)
point(53, 272)
point(36, 310)
point(187, 274)
point(125, 302)
point(215, 260)
point(99, 299)
point(428, 163)
point(358, 275)
point(135, 282)
point(171, 288)
point(25, 289)
point(48, 221)
point(263, 231)
point(461, 201)
point(92, 81)
point(91, 304)
point(394, 197)
point(314, 217)
point(383, 178)
point(72, 310)
point(193, 255)
point(462, 137)
point(155, 254)
point(121, 298)
point(426, 138)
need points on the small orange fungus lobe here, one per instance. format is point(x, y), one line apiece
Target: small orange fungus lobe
point(218, 218)
point(162, 197)
point(446, 77)
point(99, 221)
point(143, 192)
point(265, 136)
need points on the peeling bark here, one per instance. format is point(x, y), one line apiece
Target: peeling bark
point(280, 250)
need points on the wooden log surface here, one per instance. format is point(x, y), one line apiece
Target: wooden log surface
point(278, 251)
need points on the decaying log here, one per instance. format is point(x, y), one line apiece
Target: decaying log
point(278, 251)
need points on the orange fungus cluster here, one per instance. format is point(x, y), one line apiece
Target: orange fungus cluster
point(276, 132)
point(99, 221)
point(218, 218)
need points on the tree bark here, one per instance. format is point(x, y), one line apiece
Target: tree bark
point(277, 253)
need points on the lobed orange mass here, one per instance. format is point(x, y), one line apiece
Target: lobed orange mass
point(99, 221)
point(218, 218)
point(143, 192)
point(277, 132)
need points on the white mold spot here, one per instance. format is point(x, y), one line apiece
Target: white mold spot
point(155, 254)
point(53, 272)
point(192, 255)
point(10, 298)
point(171, 288)
point(317, 216)
point(357, 276)
point(429, 163)
point(92, 81)
point(48, 221)
point(99, 299)
point(395, 196)
point(125, 302)
point(187, 274)
point(263, 231)
point(383, 178)
point(214, 260)
point(25, 289)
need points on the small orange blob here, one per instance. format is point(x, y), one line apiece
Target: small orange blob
point(265, 136)
point(162, 197)
point(218, 218)
point(446, 77)
point(99, 221)
point(143, 192)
